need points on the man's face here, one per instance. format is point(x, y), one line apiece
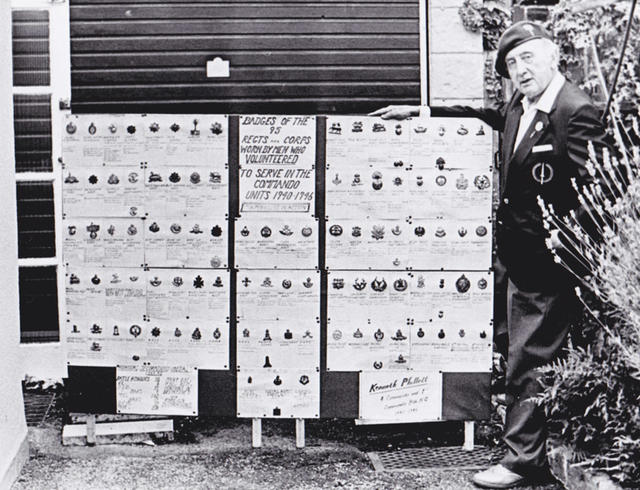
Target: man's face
point(531, 66)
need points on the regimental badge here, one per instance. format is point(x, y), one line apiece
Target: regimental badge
point(462, 182)
point(357, 334)
point(304, 380)
point(356, 127)
point(198, 282)
point(481, 230)
point(196, 229)
point(246, 333)
point(481, 182)
point(71, 128)
point(267, 363)
point(396, 262)
point(337, 283)
point(113, 179)
point(419, 231)
point(286, 283)
point(96, 329)
point(400, 359)
point(115, 278)
point(377, 232)
point(376, 180)
point(217, 334)
point(461, 333)
point(441, 314)
point(419, 181)
point(154, 227)
point(335, 230)
point(195, 131)
point(396, 230)
point(177, 281)
point(441, 131)
point(177, 332)
point(131, 129)
point(113, 129)
point(377, 365)
point(359, 284)
point(245, 231)
point(75, 329)
point(132, 177)
point(335, 128)
point(356, 232)
point(175, 228)
point(480, 131)
point(155, 331)
point(154, 177)
point(440, 232)
point(154, 127)
point(398, 129)
point(286, 231)
point(356, 180)
point(175, 127)
point(92, 129)
point(71, 179)
point(462, 131)
point(174, 177)
point(288, 335)
point(215, 178)
point(441, 284)
point(400, 285)
point(267, 336)
point(378, 335)
point(194, 178)
point(420, 333)
point(542, 173)
point(420, 129)
point(155, 282)
point(216, 231)
point(96, 347)
point(307, 283)
point(337, 335)
point(111, 230)
point(398, 163)
point(337, 180)
point(378, 286)
point(307, 334)
point(420, 284)
point(72, 230)
point(483, 335)
point(462, 231)
point(266, 283)
point(378, 128)
point(196, 335)
point(116, 331)
point(306, 231)
point(135, 330)
point(440, 163)
point(93, 179)
point(399, 336)
point(133, 278)
point(277, 381)
point(216, 128)
point(95, 280)
point(246, 281)
point(463, 284)
point(397, 181)
point(441, 180)
point(441, 334)
point(265, 232)
point(482, 283)
point(132, 230)
point(218, 282)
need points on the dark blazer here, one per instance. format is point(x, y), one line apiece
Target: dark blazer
point(551, 153)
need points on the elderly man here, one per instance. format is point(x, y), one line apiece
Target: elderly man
point(545, 130)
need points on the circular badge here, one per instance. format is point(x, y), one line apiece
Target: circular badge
point(378, 286)
point(175, 228)
point(337, 335)
point(216, 231)
point(306, 231)
point(131, 129)
point(441, 180)
point(400, 285)
point(286, 283)
point(463, 284)
point(335, 230)
point(482, 284)
point(419, 231)
point(481, 182)
point(174, 177)
point(71, 128)
point(244, 231)
point(481, 230)
point(377, 365)
point(135, 330)
point(265, 232)
point(154, 127)
point(542, 173)
point(194, 178)
point(378, 335)
point(154, 228)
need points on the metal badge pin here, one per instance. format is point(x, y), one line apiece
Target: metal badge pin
point(441, 180)
point(154, 177)
point(195, 131)
point(155, 331)
point(356, 232)
point(335, 230)
point(359, 284)
point(440, 163)
point(93, 179)
point(154, 227)
point(131, 129)
point(95, 279)
point(399, 336)
point(216, 231)
point(194, 178)
point(307, 283)
point(215, 178)
point(400, 285)
point(155, 282)
point(218, 282)
point(135, 330)
point(288, 335)
point(286, 231)
point(420, 333)
point(196, 335)
point(196, 229)
point(463, 284)
point(265, 232)
point(337, 335)
point(154, 127)
point(174, 177)
point(71, 128)
point(245, 231)
point(481, 182)
point(377, 232)
point(216, 128)
point(356, 127)
point(215, 262)
point(175, 228)
point(286, 283)
point(266, 283)
point(462, 182)
point(71, 179)
point(306, 231)
point(198, 282)
point(217, 334)
point(113, 128)
point(337, 283)
point(378, 286)
point(92, 129)
point(177, 281)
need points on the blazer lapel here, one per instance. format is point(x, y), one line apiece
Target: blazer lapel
point(510, 132)
point(535, 131)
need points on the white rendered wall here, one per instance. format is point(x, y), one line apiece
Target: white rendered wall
point(13, 427)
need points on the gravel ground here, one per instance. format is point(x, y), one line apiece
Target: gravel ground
point(221, 457)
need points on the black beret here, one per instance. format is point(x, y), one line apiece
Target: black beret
point(518, 33)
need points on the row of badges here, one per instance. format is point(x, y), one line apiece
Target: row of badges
point(377, 180)
point(375, 125)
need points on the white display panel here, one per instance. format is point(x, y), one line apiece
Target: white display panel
point(276, 241)
point(157, 390)
point(279, 393)
point(277, 162)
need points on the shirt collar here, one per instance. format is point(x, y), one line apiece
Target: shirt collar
point(548, 97)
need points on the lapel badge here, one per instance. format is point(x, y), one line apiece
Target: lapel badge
point(244, 232)
point(400, 359)
point(357, 334)
point(481, 230)
point(131, 129)
point(377, 365)
point(177, 332)
point(174, 178)
point(440, 163)
point(307, 283)
point(482, 283)
point(359, 284)
point(396, 262)
point(154, 228)
point(396, 230)
point(267, 362)
point(133, 211)
point(307, 334)
point(71, 128)
point(196, 335)
point(335, 230)
point(246, 281)
point(398, 129)
point(356, 180)
point(337, 335)
point(216, 128)
point(338, 283)
point(75, 329)
point(400, 285)
point(218, 282)
point(397, 181)
point(306, 231)
point(217, 334)
point(113, 128)
point(441, 180)
point(92, 129)
point(196, 229)
point(419, 181)
point(132, 230)
point(419, 231)
point(462, 231)
point(286, 283)
point(116, 331)
point(133, 278)
point(154, 177)
point(155, 282)
point(337, 180)
point(177, 281)
point(198, 282)
point(175, 228)
point(194, 178)
point(195, 131)
point(441, 334)
point(215, 178)
point(93, 230)
point(539, 126)
point(398, 163)
point(441, 131)
point(155, 331)
point(463, 284)
point(277, 381)
point(462, 131)
point(376, 182)
point(95, 279)
point(481, 182)
point(96, 329)
point(420, 129)
point(378, 335)
point(440, 232)
point(71, 179)
point(265, 232)
point(115, 278)
point(111, 230)
point(378, 128)
point(420, 284)
point(266, 283)
point(356, 127)
point(378, 286)
point(542, 173)
point(462, 182)
point(304, 380)
point(246, 333)
point(483, 335)
point(286, 231)
point(420, 333)
point(96, 347)
point(154, 127)
point(335, 128)
point(93, 179)
point(175, 127)
point(356, 232)
point(216, 231)
point(441, 284)
point(461, 333)
point(72, 230)
point(441, 314)
point(288, 335)
point(135, 330)
point(377, 232)
point(132, 177)
point(480, 131)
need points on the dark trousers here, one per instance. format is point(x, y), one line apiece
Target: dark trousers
point(538, 324)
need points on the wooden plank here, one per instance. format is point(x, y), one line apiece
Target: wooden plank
point(279, 58)
point(242, 26)
point(30, 127)
point(223, 91)
point(30, 30)
point(256, 433)
point(245, 11)
point(30, 62)
point(235, 42)
point(27, 46)
point(246, 74)
point(300, 442)
point(117, 428)
point(30, 15)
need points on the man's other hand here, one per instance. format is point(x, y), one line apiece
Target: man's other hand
point(400, 111)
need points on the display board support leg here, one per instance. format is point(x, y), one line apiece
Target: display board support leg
point(299, 433)
point(468, 435)
point(256, 433)
point(91, 430)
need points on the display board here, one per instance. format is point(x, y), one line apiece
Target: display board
point(280, 265)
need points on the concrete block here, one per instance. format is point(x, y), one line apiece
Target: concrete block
point(456, 76)
point(448, 35)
